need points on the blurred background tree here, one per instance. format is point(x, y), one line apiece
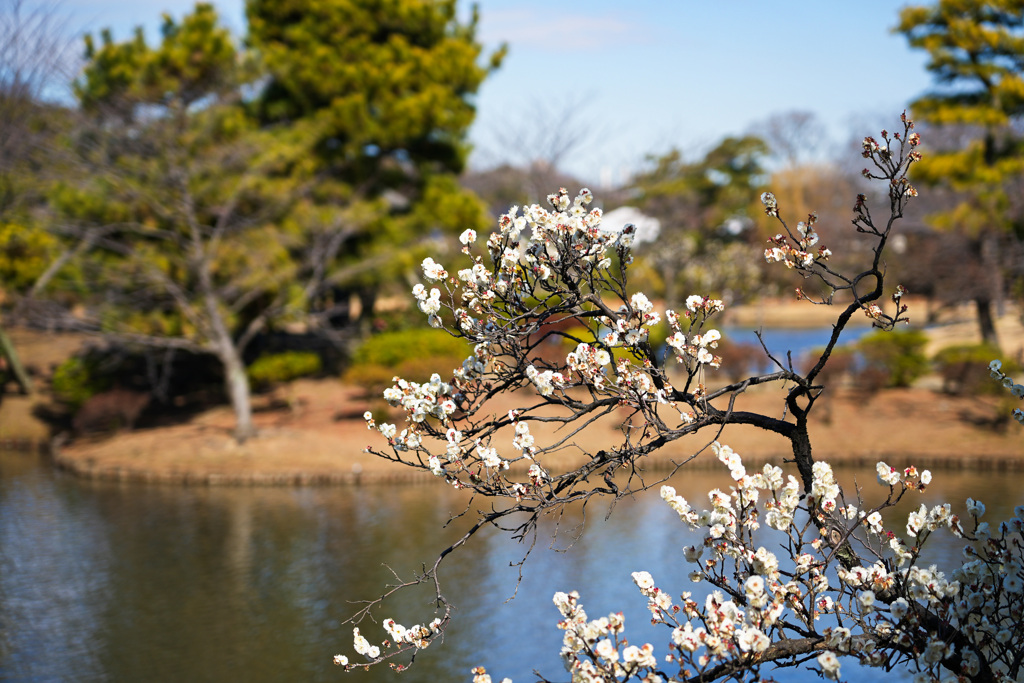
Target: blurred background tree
point(174, 186)
point(531, 153)
point(220, 194)
point(224, 193)
point(380, 94)
point(35, 64)
point(975, 149)
point(704, 208)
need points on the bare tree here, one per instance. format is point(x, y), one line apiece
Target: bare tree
point(537, 141)
point(794, 137)
point(35, 63)
point(36, 50)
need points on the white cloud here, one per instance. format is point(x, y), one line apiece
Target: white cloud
point(557, 30)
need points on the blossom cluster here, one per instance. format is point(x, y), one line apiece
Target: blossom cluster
point(594, 650)
point(893, 163)
point(1016, 390)
point(480, 675)
point(417, 637)
point(697, 347)
point(540, 266)
point(882, 612)
point(500, 302)
point(632, 325)
point(794, 251)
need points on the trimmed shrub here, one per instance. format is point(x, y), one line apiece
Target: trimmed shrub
point(964, 369)
point(390, 349)
point(110, 411)
point(413, 354)
point(373, 378)
point(277, 368)
point(78, 379)
point(897, 356)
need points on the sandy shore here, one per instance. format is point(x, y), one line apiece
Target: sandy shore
point(308, 446)
point(322, 440)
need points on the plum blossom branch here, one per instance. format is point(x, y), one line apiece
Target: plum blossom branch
point(545, 305)
point(1016, 390)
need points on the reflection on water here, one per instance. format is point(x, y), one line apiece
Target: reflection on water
point(109, 582)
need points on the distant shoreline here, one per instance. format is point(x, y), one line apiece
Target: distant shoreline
point(321, 440)
point(99, 472)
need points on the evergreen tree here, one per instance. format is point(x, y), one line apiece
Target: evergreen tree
point(976, 50)
point(184, 197)
point(381, 94)
point(228, 190)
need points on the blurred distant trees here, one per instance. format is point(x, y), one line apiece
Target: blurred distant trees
point(35, 62)
point(806, 175)
point(532, 146)
point(824, 189)
point(223, 193)
point(379, 92)
point(511, 184)
point(794, 138)
point(175, 190)
point(976, 50)
point(704, 210)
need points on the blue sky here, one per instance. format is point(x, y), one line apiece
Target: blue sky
point(643, 77)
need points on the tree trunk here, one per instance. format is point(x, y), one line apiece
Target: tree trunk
point(992, 285)
point(367, 304)
point(986, 321)
point(8, 352)
point(236, 382)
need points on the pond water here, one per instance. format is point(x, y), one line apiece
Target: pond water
point(113, 582)
point(798, 341)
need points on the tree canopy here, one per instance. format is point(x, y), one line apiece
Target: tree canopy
point(221, 191)
point(976, 52)
point(380, 93)
point(704, 208)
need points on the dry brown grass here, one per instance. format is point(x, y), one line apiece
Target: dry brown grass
point(310, 445)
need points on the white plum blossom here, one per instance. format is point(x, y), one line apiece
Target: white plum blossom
point(1016, 390)
point(489, 457)
point(643, 581)
point(606, 650)
point(887, 475)
point(752, 639)
point(791, 560)
point(363, 647)
point(433, 271)
point(829, 664)
point(874, 520)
